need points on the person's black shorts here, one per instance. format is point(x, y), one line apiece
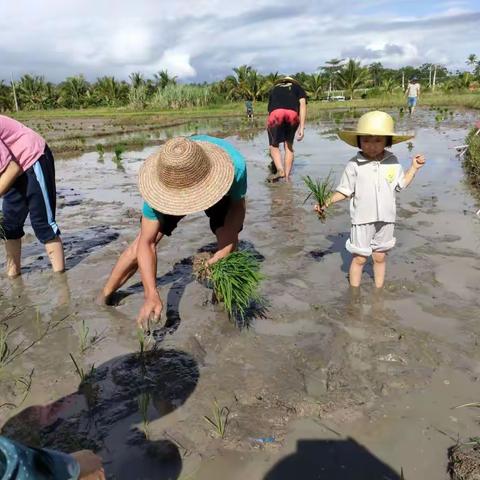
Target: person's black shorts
point(281, 126)
point(216, 214)
point(34, 192)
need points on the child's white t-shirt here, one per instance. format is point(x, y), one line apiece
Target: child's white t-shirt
point(372, 185)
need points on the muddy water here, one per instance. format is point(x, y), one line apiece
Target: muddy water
point(327, 383)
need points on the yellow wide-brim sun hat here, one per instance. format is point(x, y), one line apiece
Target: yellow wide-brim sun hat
point(185, 176)
point(374, 123)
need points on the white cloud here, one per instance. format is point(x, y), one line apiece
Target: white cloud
point(204, 39)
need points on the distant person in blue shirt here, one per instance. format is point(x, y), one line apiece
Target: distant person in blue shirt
point(186, 175)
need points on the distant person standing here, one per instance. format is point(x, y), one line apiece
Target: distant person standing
point(249, 109)
point(413, 94)
point(287, 112)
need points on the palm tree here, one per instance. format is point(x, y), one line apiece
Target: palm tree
point(136, 79)
point(33, 92)
point(331, 69)
point(246, 84)
point(376, 72)
point(472, 60)
point(73, 92)
point(6, 100)
point(352, 76)
point(389, 85)
point(314, 86)
point(110, 92)
point(162, 79)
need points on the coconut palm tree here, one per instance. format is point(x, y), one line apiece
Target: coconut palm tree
point(136, 79)
point(33, 92)
point(331, 69)
point(110, 92)
point(163, 78)
point(314, 85)
point(389, 85)
point(73, 92)
point(472, 60)
point(6, 100)
point(376, 73)
point(352, 76)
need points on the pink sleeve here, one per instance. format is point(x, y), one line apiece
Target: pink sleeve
point(5, 156)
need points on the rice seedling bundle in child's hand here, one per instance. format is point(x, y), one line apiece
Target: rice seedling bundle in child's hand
point(236, 280)
point(321, 189)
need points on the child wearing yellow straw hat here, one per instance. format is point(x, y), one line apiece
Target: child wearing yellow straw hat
point(371, 179)
point(186, 175)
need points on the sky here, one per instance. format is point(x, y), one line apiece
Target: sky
point(199, 40)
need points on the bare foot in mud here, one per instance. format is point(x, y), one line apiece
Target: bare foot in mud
point(275, 177)
point(104, 300)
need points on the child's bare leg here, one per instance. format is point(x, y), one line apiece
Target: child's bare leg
point(379, 267)
point(13, 251)
point(55, 253)
point(288, 160)
point(356, 269)
point(277, 159)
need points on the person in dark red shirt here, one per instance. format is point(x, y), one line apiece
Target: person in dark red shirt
point(287, 111)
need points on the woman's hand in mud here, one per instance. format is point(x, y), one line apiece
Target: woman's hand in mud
point(418, 162)
point(150, 311)
point(90, 465)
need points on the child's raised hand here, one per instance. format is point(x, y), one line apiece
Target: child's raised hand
point(418, 161)
point(320, 208)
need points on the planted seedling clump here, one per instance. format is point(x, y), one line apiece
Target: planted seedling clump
point(235, 280)
point(321, 190)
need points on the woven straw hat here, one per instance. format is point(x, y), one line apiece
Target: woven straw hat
point(373, 123)
point(287, 79)
point(185, 176)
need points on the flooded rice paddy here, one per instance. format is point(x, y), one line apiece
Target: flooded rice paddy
point(325, 384)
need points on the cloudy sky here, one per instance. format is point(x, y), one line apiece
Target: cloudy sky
point(203, 40)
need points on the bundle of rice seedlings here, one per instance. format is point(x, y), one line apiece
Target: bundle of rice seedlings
point(235, 280)
point(321, 189)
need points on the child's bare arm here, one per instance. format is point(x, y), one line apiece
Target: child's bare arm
point(417, 163)
point(335, 197)
point(8, 177)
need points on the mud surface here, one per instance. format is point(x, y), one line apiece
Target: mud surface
point(326, 383)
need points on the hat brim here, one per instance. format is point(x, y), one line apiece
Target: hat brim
point(350, 137)
point(182, 201)
point(287, 80)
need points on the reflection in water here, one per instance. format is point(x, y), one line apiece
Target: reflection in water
point(103, 413)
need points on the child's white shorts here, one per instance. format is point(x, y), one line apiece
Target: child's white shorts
point(371, 237)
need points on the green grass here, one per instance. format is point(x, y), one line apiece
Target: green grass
point(219, 419)
point(235, 280)
point(471, 162)
point(321, 190)
point(467, 100)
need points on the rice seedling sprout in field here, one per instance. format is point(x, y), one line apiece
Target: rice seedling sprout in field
point(219, 419)
point(143, 401)
point(321, 189)
point(100, 151)
point(118, 152)
point(83, 341)
point(84, 375)
point(235, 280)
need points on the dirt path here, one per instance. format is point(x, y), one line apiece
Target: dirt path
point(366, 379)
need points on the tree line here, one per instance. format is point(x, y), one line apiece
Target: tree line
point(349, 76)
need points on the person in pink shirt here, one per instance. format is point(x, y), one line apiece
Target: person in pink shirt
point(27, 186)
